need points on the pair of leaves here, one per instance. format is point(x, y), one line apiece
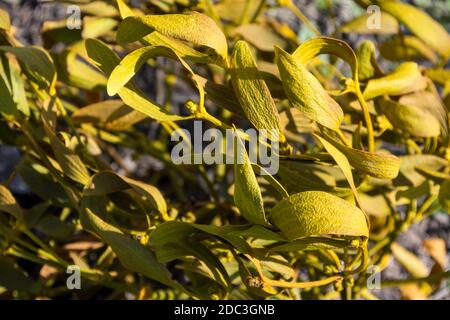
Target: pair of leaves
point(107, 60)
point(39, 65)
point(130, 65)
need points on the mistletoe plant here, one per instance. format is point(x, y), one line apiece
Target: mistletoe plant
point(363, 152)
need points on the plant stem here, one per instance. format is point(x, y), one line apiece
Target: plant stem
point(367, 119)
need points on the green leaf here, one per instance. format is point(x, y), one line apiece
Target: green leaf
point(70, 162)
point(378, 165)
point(247, 194)
point(342, 162)
point(406, 48)
point(40, 181)
point(133, 255)
point(251, 90)
point(130, 65)
point(170, 230)
point(52, 226)
point(107, 60)
point(110, 114)
point(421, 24)
point(38, 62)
point(444, 195)
point(9, 204)
point(172, 241)
point(8, 105)
point(406, 78)
point(157, 39)
point(108, 182)
point(312, 48)
point(366, 60)
point(315, 213)
point(74, 69)
point(305, 92)
point(414, 114)
point(195, 28)
point(13, 277)
point(298, 176)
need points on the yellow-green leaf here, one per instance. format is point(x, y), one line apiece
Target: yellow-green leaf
point(70, 162)
point(410, 116)
point(406, 48)
point(194, 27)
point(444, 195)
point(366, 60)
point(409, 261)
point(327, 45)
point(133, 255)
point(5, 21)
point(247, 194)
point(305, 92)
point(421, 24)
point(107, 182)
point(251, 90)
point(315, 213)
point(94, 27)
point(379, 165)
point(38, 62)
point(342, 162)
point(298, 176)
point(107, 60)
point(409, 164)
point(111, 114)
point(406, 78)
point(9, 204)
point(131, 64)
point(157, 39)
